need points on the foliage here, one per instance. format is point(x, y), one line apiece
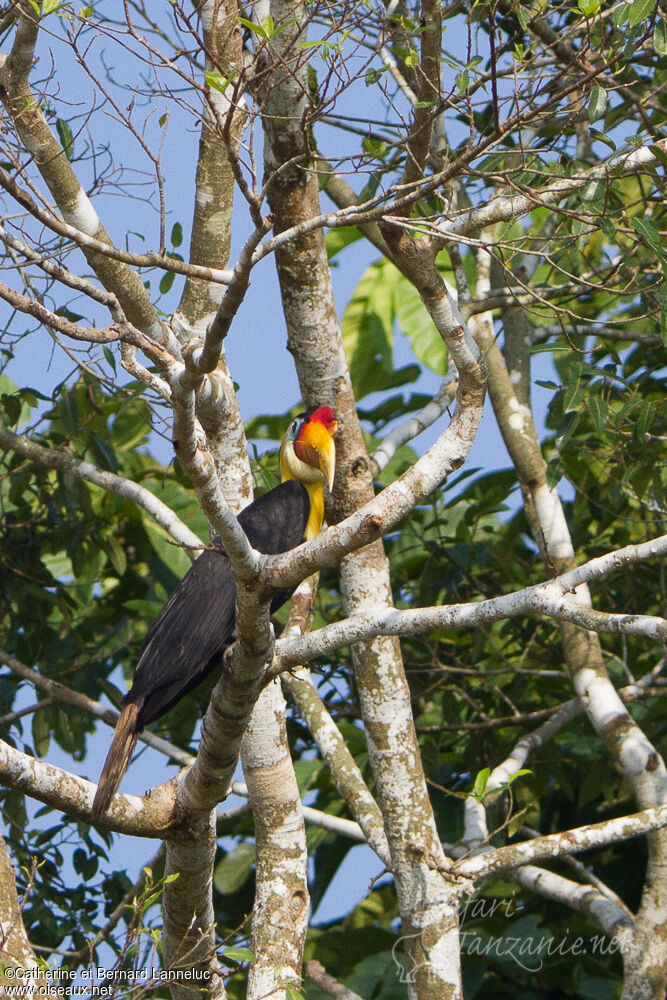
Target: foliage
point(84, 571)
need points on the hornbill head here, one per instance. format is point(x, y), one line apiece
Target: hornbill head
point(308, 453)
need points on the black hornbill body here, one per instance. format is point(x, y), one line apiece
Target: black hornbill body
point(197, 622)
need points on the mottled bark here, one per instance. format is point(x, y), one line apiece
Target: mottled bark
point(345, 773)
point(280, 912)
point(428, 909)
point(221, 128)
point(21, 969)
point(192, 856)
point(188, 917)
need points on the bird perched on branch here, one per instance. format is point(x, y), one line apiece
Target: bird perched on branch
point(197, 623)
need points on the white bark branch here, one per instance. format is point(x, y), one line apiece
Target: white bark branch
point(418, 422)
point(108, 481)
point(325, 821)
point(551, 599)
point(506, 207)
point(280, 911)
point(136, 816)
point(569, 842)
point(106, 249)
point(193, 453)
point(586, 899)
point(345, 772)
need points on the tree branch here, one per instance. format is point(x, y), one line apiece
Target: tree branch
point(138, 817)
point(554, 845)
point(550, 598)
point(108, 481)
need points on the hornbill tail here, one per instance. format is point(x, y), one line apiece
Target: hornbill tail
point(120, 751)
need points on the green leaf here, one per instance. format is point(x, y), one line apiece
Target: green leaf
point(337, 239)
point(269, 26)
point(659, 154)
point(523, 18)
point(104, 454)
point(58, 564)
point(601, 137)
point(66, 138)
point(555, 472)
point(69, 412)
point(293, 994)
point(116, 554)
point(48, 6)
point(131, 427)
point(660, 37)
point(176, 234)
point(599, 411)
point(651, 235)
point(594, 191)
point(234, 869)
point(597, 104)
point(166, 281)
point(41, 733)
point(305, 772)
point(607, 227)
point(418, 327)
point(68, 314)
point(644, 421)
point(640, 10)
point(239, 954)
point(13, 403)
point(376, 147)
point(373, 75)
point(367, 327)
point(217, 80)
point(481, 782)
point(518, 774)
point(620, 14)
point(567, 428)
point(257, 29)
point(573, 391)
point(111, 361)
point(138, 607)
point(12, 407)
point(588, 8)
point(661, 296)
point(462, 81)
point(62, 731)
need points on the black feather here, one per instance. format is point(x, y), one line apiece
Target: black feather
point(197, 622)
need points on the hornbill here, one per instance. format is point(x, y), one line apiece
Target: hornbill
point(197, 622)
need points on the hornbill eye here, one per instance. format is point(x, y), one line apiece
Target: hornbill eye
point(295, 427)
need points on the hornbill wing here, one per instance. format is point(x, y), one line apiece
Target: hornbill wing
point(197, 622)
point(180, 648)
point(195, 625)
point(277, 520)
